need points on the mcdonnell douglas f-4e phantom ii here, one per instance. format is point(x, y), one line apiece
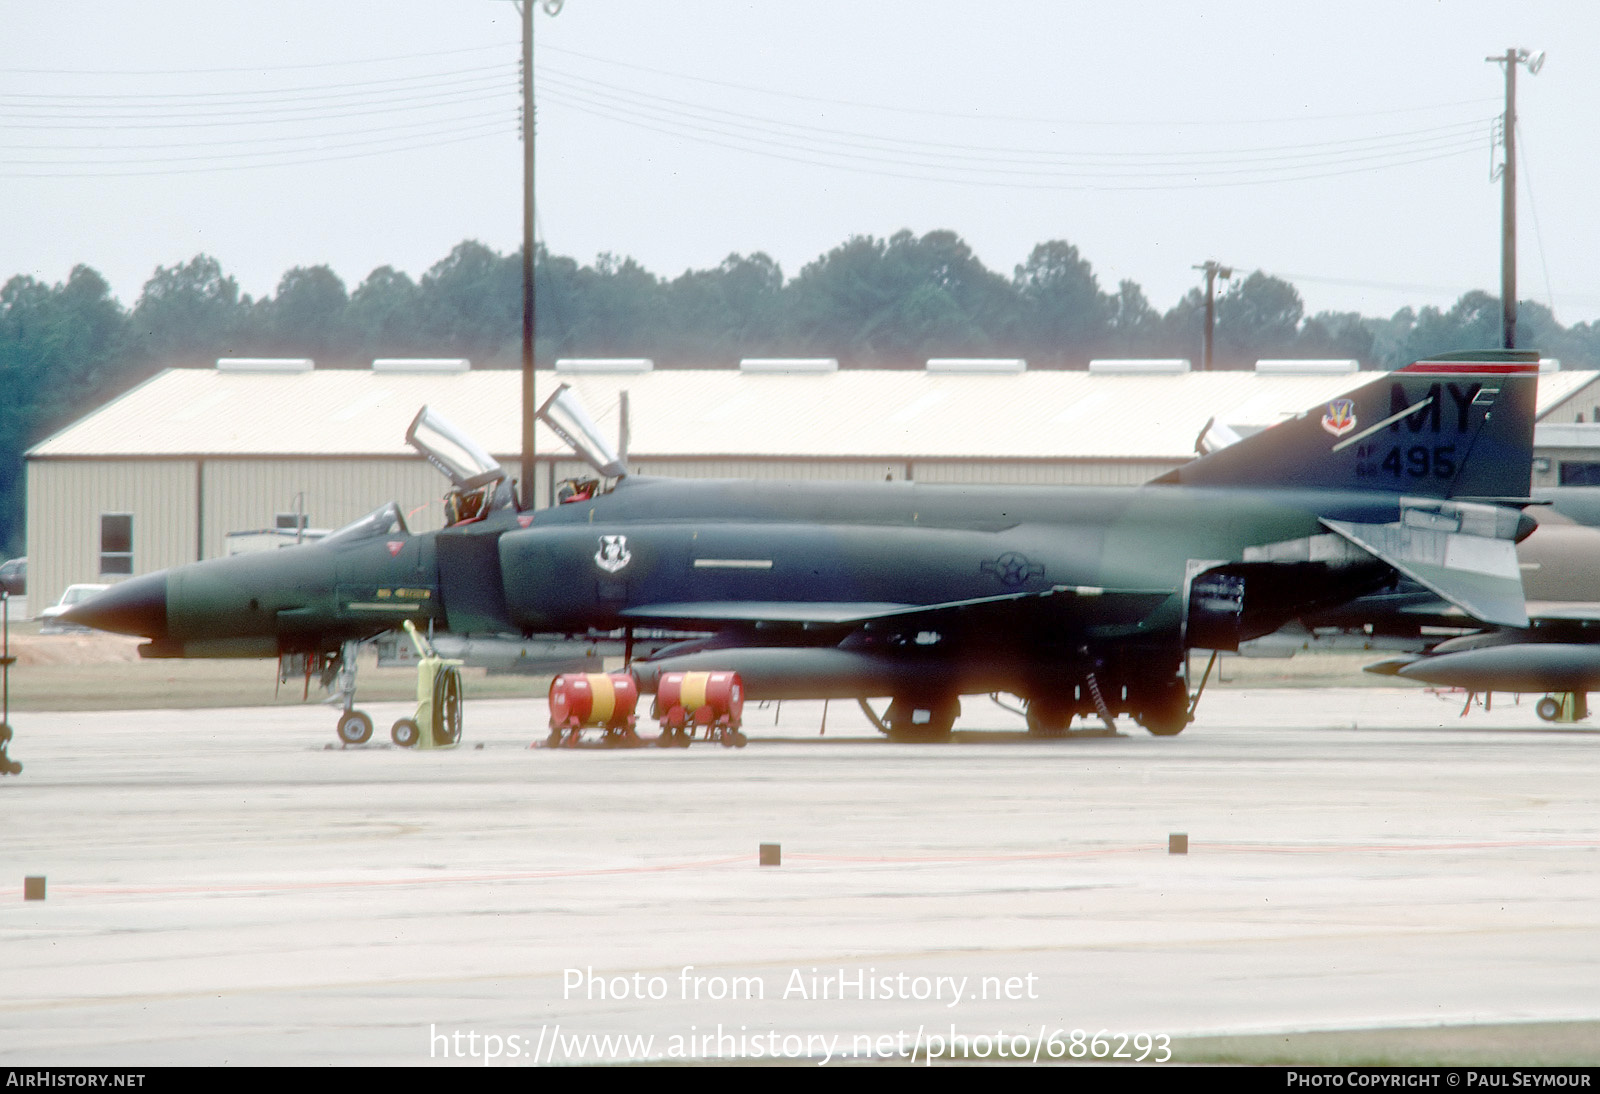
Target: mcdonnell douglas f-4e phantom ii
point(1080, 600)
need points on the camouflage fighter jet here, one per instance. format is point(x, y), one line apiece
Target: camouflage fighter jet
point(1083, 601)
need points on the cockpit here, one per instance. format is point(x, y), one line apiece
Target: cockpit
point(564, 414)
point(479, 485)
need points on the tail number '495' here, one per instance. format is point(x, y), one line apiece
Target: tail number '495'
point(1417, 461)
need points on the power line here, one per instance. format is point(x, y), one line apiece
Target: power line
point(80, 73)
point(1187, 122)
point(345, 90)
point(386, 148)
point(675, 110)
point(1060, 179)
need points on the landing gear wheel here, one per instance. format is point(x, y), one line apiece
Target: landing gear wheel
point(1165, 726)
point(1047, 719)
point(1166, 713)
point(355, 728)
point(922, 721)
point(1548, 708)
point(405, 733)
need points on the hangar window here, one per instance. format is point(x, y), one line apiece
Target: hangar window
point(1580, 473)
point(116, 544)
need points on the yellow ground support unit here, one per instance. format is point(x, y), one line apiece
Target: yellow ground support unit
point(438, 720)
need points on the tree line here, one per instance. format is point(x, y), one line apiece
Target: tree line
point(870, 302)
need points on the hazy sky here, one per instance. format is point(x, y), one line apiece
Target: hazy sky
point(1343, 146)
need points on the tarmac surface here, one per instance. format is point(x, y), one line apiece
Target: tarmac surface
point(231, 887)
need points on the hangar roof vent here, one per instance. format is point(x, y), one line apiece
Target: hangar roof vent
point(987, 365)
point(1307, 367)
point(605, 364)
point(264, 364)
point(421, 364)
point(812, 365)
point(1140, 366)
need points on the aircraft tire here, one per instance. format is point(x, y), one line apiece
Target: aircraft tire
point(405, 733)
point(1165, 727)
point(939, 719)
point(447, 706)
point(1548, 708)
point(355, 728)
point(1047, 719)
point(1167, 713)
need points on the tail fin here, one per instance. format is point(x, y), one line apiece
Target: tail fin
point(1457, 426)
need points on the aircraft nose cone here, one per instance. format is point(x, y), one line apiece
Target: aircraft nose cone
point(138, 606)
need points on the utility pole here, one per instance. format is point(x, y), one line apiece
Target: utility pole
point(1213, 270)
point(1508, 190)
point(529, 404)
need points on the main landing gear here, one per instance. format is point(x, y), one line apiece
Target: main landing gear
point(437, 721)
point(339, 676)
point(337, 673)
point(1164, 708)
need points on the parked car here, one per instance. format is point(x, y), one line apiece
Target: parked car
point(14, 576)
point(50, 619)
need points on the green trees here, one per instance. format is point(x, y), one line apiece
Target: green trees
point(308, 317)
point(470, 305)
point(893, 303)
point(383, 315)
point(1063, 319)
point(60, 347)
point(188, 315)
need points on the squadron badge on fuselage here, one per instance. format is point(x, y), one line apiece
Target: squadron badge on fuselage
point(1341, 417)
point(613, 554)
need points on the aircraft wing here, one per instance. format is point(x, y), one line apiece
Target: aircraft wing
point(1110, 605)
